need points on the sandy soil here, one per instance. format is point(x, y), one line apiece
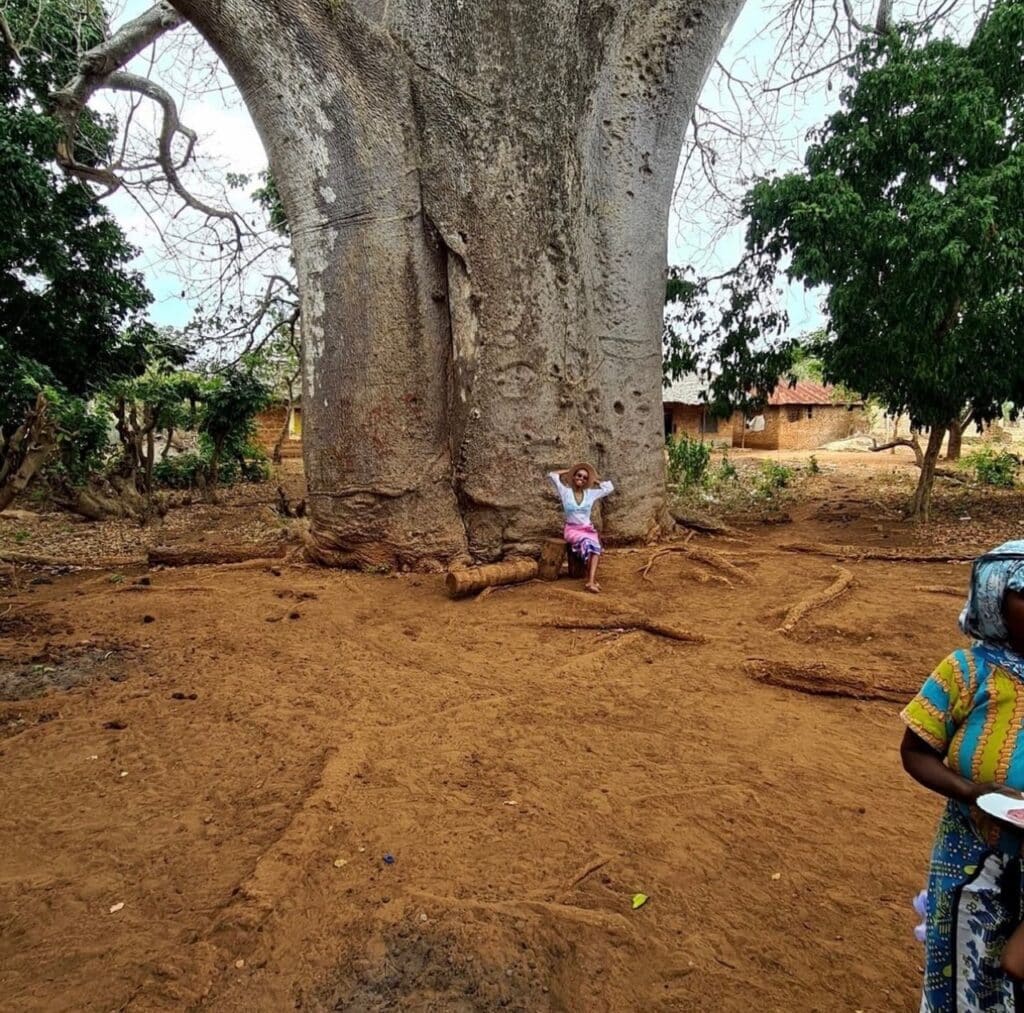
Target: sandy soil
point(203, 776)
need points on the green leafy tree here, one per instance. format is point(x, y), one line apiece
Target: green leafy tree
point(910, 212)
point(72, 313)
point(231, 401)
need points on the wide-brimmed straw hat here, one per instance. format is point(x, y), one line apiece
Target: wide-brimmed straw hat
point(595, 478)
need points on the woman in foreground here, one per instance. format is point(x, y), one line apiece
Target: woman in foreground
point(964, 740)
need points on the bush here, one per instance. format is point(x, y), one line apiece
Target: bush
point(812, 465)
point(726, 471)
point(993, 467)
point(688, 461)
point(188, 471)
point(183, 471)
point(772, 478)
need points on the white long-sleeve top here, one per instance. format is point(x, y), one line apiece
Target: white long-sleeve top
point(575, 512)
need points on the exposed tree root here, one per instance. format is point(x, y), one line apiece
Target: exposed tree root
point(819, 680)
point(629, 624)
point(866, 552)
point(95, 563)
point(803, 608)
point(700, 522)
point(704, 577)
point(719, 562)
point(663, 551)
point(199, 555)
point(707, 556)
point(588, 870)
point(955, 592)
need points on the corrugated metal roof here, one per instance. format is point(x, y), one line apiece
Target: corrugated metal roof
point(689, 390)
point(806, 392)
point(686, 390)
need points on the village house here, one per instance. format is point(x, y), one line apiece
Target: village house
point(687, 413)
point(271, 421)
point(802, 417)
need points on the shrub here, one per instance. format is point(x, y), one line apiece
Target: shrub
point(812, 465)
point(726, 470)
point(183, 471)
point(772, 478)
point(688, 461)
point(993, 467)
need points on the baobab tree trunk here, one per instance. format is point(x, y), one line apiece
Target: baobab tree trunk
point(478, 194)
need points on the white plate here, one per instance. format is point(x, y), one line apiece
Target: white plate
point(1003, 807)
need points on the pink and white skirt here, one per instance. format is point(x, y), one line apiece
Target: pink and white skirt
point(583, 539)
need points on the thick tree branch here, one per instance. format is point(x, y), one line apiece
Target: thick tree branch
point(8, 39)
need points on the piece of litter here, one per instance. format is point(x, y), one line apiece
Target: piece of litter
point(124, 773)
point(510, 801)
point(639, 900)
point(94, 757)
point(361, 850)
point(340, 863)
point(239, 964)
point(423, 917)
point(776, 875)
point(114, 908)
point(389, 859)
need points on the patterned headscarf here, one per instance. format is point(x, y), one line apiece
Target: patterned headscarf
point(982, 616)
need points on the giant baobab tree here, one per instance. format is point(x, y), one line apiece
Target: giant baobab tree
point(478, 197)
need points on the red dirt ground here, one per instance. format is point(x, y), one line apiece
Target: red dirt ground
point(233, 770)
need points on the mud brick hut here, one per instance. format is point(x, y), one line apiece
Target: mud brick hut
point(269, 424)
point(686, 413)
point(802, 417)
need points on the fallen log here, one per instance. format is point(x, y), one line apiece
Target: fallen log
point(461, 583)
point(200, 555)
point(630, 624)
point(820, 680)
point(867, 552)
point(803, 608)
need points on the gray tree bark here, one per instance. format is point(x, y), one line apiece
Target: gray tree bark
point(478, 193)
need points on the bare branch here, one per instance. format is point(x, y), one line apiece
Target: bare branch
point(172, 125)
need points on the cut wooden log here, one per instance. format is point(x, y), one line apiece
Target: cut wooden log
point(841, 584)
point(867, 552)
point(577, 568)
point(475, 578)
point(201, 555)
point(552, 556)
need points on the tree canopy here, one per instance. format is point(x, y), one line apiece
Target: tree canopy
point(72, 312)
point(909, 210)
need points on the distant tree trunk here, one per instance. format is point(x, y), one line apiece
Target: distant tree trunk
point(165, 453)
point(957, 425)
point(920, 504)
point(150, 456)
point(478, 196)
point(27, 451)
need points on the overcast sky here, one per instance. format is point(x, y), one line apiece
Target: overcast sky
point(229, 143)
